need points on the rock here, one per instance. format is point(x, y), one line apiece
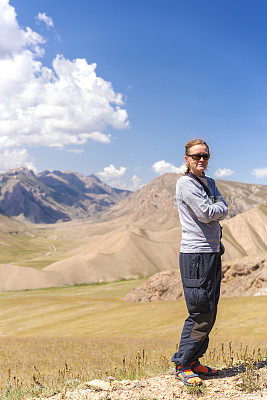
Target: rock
point(164, 285)
point(125, 382)
point(98, 384)
point(245, 277)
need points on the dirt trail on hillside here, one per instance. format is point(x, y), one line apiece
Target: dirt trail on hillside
point(165, 387)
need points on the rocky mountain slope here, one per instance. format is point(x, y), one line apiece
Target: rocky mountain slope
point(158, 197)
point(242, 277)
point(54, 196)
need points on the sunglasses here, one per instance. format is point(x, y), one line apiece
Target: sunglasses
point(198, 156)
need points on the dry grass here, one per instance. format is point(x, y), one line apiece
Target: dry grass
point(43, 366)
point(106, 336)
point(100, 310)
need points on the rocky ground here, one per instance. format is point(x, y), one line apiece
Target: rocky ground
point(227, 385)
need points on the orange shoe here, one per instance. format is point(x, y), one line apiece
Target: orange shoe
point(187, 376)
point(202, 369)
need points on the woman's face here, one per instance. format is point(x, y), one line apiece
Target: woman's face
point(197, 166)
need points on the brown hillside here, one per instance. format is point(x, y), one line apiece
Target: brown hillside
point(147, 246)
point(13, 277)
point(246, 233)
point(126, 252)
point(119, 249)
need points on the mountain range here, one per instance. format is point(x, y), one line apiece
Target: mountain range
point(53, 196)
point(130, 235)
point(49, 197)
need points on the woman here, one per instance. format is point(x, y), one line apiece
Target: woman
point(200, 207)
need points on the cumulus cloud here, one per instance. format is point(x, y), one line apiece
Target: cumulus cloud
point(222, 172)
point(260, 172)
point(13, 38)
point(47, 20)
point(15, 158)
point(111, 172)
point(66, 104)
point(162, 167)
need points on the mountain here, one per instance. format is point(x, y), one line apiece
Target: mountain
point(157, 198)
point(50, 197)
point(138, 236)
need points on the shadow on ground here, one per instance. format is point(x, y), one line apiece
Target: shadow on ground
point(233, 371)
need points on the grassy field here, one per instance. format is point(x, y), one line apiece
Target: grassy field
point(44, 366)
point(58, 337)
point(100, 310)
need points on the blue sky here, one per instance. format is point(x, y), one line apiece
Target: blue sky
point(185, 69)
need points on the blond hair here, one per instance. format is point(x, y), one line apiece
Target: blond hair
point(192, 143)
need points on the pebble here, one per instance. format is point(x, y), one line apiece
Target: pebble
point(98, 384)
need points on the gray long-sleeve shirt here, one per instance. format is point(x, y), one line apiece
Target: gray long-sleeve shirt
point(199, 215)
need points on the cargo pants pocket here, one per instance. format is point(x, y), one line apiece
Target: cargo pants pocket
point(194, 274)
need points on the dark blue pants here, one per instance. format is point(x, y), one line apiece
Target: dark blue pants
point(201, 277)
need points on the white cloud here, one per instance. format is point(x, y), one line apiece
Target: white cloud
point(119, 184)
point(13, 38)
point(75, 151)
point(100, 137)
point(222, 172)
point(136, 183)
point(30, 166)
point(47, 20)
point(260, 172)
point(67, 104)
point(116, 181)
point(15, 158)
point(162, 167)
point(111, 172)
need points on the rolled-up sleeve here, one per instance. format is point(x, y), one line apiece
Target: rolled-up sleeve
point(198, 201)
